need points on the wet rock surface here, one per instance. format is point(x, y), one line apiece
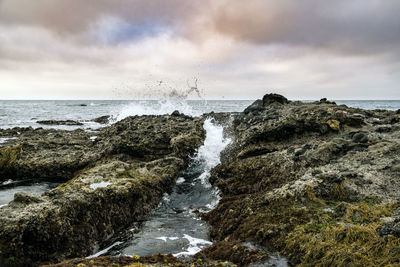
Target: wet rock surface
point(103, 119)
point(317, 182)
point(136, 261)
point(110, 181)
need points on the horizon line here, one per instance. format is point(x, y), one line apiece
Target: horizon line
point(212, 99)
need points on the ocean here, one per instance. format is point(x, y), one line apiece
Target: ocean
point(26, 113)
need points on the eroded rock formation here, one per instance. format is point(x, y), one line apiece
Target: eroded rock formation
point(110, 181)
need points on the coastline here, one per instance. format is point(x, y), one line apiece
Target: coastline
point(315, 182)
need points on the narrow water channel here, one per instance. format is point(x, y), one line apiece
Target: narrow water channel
point(173, 227)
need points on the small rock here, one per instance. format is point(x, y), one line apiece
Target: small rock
point(175, 113)
point(25, 198)
point(360, 137)
point(102, 120)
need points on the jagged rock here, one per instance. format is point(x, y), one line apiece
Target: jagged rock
point(108, 183)
point(272, 98)
point(257, 106)
point(300, 173)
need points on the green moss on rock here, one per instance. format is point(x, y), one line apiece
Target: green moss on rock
point(8, 155)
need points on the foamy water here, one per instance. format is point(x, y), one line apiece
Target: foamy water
point(210, 152)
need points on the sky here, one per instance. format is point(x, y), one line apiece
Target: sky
point(129, 49)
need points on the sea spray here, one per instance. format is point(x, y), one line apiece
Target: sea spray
point(170, 98)
point(155, 107)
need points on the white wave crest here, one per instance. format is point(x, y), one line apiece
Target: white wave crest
point(156, 107)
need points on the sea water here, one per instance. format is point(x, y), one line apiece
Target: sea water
point(25, 113)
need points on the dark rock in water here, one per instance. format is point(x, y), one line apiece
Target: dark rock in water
point(103, 119)
point(325, 100)
point(398, 111)
point(109, 183)
point(272, 98)
point(61, 122)
point(176, 113)
point(83, 105)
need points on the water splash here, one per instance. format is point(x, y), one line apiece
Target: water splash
point(209, 154)
point(170, 98)
point(155, 107)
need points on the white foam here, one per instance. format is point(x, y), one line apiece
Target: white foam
point(159, 107)
point(93, 138)
point(180, 180)
point(99, 185)
point(104, 250)
point(210, 152)
point(195, 245)
point(7, 182)
point(214, 202)
point(164, 238)
point(3, 205)
point(5, 139)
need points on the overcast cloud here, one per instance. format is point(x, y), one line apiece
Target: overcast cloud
point(109, 49)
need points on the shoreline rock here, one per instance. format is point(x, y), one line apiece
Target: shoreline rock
point(61, 122)
point(316, 182)
point(102, 119)
point(116, 179)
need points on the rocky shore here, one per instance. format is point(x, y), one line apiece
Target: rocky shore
point(110, 181)
point(318, 183)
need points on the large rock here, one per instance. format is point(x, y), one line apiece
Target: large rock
point(268, 99)
point(48, 154)
point(123, 175)
point(313, 181)
point(58, 155)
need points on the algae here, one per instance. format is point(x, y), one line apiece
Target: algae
point(8, 155)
